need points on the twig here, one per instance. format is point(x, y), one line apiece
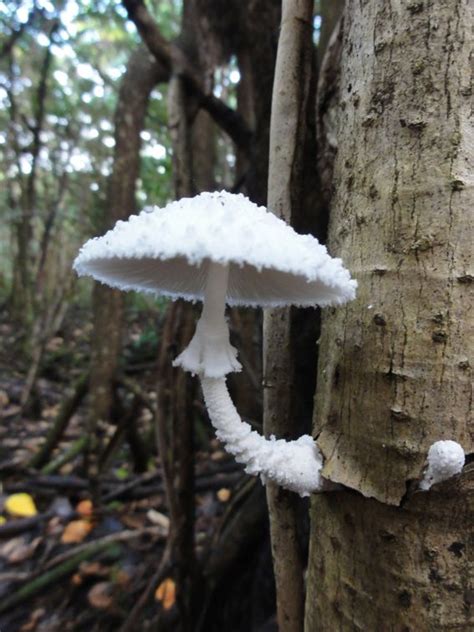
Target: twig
point(13, 527)
point(123, 489)
point(76, 448)
point(121, 536)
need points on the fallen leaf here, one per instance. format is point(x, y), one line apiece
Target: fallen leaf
point(61, 507)
point(223, 494)
point(156, 517)
point(23, 551)
point(10, 411)
point(218, 455)
point(10, 545)
point(4, 399)
point(54, 526)
point(50, 412)
point(77, 579)
point(100, 595)
point(166, 593)
point(21, 505)
point(133, 521)
point(93, 568)
point(54, 344)
point(76, 531)
point(122, 578)
point(33, 621)
point(2, 520)
point(85, 508)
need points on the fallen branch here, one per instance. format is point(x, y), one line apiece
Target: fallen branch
point(14, 527)
point(130, 485)
point(51, 481)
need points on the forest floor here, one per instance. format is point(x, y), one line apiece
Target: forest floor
point(72, 557)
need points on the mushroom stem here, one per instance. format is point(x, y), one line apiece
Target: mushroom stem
point(214, 296)
point(210, 353)
point(295, 465)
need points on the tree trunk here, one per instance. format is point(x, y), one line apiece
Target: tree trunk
point(394, 375)
point(142, 74)
point(286, 168)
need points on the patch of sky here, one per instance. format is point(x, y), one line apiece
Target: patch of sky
point(109, 142)
point(154, 150)
point(317, 20)
point(105, 125)
point(43, 40)
point(89, 133)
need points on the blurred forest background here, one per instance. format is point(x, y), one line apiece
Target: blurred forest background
point(100, 530)
point(118, 508)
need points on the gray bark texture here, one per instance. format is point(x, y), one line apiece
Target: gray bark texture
point(395, 367)
point(394, 374)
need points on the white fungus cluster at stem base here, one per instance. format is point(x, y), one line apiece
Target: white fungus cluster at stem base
point(294, 465)
point(445, 460)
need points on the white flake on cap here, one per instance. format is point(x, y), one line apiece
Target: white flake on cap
point(445, 460)
point(166, 251)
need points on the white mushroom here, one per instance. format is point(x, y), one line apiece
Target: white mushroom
point(445, 460)
point(221, 248)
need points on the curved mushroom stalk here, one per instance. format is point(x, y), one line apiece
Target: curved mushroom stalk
point(294, 465)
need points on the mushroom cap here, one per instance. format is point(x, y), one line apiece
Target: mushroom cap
point(167, 251)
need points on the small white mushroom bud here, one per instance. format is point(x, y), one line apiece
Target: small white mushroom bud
point(445, 460)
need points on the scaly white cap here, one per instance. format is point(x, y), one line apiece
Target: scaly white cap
point(168, 251)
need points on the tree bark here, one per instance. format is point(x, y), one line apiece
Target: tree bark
point(174, 57)
point(394, 374)
point(287, 133)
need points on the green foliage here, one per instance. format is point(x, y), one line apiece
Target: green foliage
point(89, 43)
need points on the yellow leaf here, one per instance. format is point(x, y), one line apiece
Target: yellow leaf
point(166, 593)
point(21, 506)
point(223, 494)
point(85, 508)
point(76, 531)
point(2, 520)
